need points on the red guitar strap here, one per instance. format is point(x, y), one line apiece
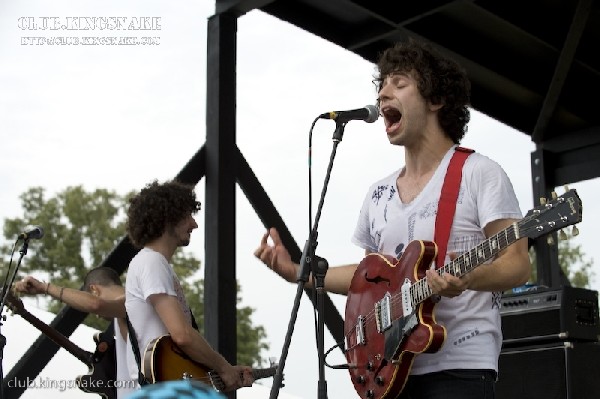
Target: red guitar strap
point(447, 204)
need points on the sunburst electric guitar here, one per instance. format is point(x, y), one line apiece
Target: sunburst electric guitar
point(165, 361)
point(389, 316)
point(101, 364)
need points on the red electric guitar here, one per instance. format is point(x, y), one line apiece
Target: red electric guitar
point(389, 310)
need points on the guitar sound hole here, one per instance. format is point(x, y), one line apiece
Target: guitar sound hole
point(377, 280)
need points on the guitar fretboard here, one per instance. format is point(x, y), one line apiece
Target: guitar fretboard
point(468, 261)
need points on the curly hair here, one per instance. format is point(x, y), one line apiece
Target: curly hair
point(157, 207)
point(440, 80)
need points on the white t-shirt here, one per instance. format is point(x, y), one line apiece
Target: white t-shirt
point(149, 273)
point(124, 387)
point(386, 225)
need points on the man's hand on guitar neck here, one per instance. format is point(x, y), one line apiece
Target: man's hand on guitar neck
point(447, 285)
point(31, 286)
point(235, 377)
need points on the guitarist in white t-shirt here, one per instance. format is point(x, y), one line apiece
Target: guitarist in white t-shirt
point(160, 220)
point(104, 295)
point(423, 98)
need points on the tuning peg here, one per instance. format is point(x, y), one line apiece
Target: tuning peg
point(575, 231)
point(542, 200)
point(562, 235)
point(566, 187)
point(550, 240)
point(554, 195)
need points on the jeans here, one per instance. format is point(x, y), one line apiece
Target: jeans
point(451, 384)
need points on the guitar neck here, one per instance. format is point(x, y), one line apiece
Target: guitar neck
point(469, 260)
point(57, 337)
point(483, 252)
point(263, 373)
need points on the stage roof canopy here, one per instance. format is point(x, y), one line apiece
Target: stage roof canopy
point(534, 65)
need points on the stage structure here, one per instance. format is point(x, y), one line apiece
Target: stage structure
point(534, 66)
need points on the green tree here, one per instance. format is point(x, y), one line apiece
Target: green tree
point(85, 227)
point(573, 262)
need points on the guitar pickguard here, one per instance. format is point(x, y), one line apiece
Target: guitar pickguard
point(395, 336)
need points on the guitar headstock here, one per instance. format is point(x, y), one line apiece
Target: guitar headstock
point(552, 215)
point(14, 303)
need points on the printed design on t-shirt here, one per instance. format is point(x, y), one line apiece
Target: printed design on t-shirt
point(496, 297)
point(378, 193)
point(429, 210)
point(461, 194)
point(465, 337)
point(399, 250)
point(390, 197)
point(463, 244)
point(375, 235)
point(411, 226)
point(392, 193)
point(181, 298)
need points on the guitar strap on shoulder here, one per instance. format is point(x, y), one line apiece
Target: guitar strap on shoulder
point(447, 204)
point(136, 352)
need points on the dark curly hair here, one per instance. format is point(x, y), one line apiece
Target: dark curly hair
point(158, 207)
point(440, 80)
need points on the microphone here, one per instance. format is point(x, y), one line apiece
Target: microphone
point(32, 232)
point(368, 113)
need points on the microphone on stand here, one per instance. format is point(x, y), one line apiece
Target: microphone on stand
point(368, 113)
point(35, 232)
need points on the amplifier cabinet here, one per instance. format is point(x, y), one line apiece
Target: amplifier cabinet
point(567, 313)
point(561, 370)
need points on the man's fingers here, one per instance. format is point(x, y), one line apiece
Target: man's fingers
point(275, 236)
point(264, 238)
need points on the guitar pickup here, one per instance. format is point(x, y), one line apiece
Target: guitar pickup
point(383, 313)
point(360, 331)
point(359, 334)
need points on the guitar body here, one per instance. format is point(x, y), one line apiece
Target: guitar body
point(101, 371)
point(165, 361)
point(380, 360)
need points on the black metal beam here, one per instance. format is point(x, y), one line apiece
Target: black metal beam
point(574, 156)
point(565, 60)
point(269, 216)
point(546, 248)
point(220, 285)
point(239, 7)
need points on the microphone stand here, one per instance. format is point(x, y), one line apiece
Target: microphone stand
point(5, 290)
point(310, 262)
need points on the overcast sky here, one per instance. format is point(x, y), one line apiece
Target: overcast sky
point(118, 116)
